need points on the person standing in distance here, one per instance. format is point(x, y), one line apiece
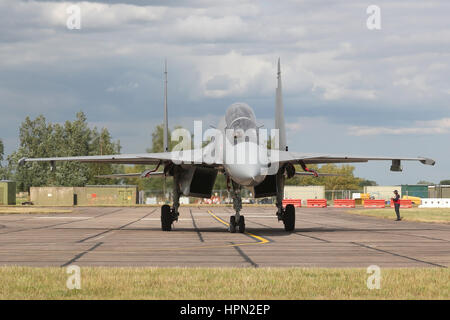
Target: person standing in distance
point(396, 201)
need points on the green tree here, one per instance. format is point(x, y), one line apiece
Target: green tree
point(34, 143)
point(2, 151)
point(344, 181)
point(102, 144)
point(446, 182)
point(426, 182)
point(72, 139)
point(365, 183)
point(41, 139)
point(3, 170)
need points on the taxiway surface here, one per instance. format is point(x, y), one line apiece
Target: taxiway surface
point(132, 236)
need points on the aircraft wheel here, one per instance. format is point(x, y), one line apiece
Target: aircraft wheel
point(241, 224)
point(166, 218)
point(289, 218)
point(232, 224)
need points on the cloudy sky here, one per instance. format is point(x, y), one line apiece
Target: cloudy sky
point(347, 89)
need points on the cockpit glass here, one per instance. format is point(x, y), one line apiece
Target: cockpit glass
point(240, 115)
point(240, 118)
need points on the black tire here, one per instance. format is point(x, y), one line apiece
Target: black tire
point(289, 218)
point(232, 224)
point(241, 224)
point(166, 218)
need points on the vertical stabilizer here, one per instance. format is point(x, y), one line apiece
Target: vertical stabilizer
point(279, 113)
point(166, 122)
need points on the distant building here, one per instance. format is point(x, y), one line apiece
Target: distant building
point(304, 192)
point(439, 191)
point(382, 192)
point(7, 192)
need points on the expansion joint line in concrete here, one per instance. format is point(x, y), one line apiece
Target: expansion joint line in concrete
point(78, 256)
point(399, 255)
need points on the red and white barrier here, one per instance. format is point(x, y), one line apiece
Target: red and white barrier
point(316, 203)
point(374, 203)
point(295, 202)
point(344, 203)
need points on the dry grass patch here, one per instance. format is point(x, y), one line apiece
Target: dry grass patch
point(437, 215)
point(25, 209)
point(223, 283)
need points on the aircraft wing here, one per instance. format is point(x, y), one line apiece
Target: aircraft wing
point(293, 157)
point(178, 157)
point(319, 174)
point(131, 175)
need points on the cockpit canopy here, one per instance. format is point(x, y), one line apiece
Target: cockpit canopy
point(240, 116)
point(240, 123)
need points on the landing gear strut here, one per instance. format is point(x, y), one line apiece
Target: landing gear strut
point(169, 215)
point(287, 215)
point(237, 222)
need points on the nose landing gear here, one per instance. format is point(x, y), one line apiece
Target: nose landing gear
point(237, 222)
point(237, 225)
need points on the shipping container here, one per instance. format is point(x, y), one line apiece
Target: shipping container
point(84, 196)
point(52, 196)
point(7, 192)
point(418, 190)
point(106, 195)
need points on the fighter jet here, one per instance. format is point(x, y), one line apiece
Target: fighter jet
point(237, 149)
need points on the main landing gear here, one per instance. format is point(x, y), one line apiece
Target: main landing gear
point(237, 222)
point(287, 215)
point(168, 216)
point(289, 218)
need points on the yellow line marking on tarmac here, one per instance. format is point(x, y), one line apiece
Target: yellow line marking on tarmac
point(260, 239)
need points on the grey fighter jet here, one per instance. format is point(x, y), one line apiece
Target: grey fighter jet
point(194, 170)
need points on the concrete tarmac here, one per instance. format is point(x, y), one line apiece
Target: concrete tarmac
point(123, 236)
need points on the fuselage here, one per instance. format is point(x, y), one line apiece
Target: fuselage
point(243, 156)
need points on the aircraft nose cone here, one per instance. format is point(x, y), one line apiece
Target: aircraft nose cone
point(246, 174)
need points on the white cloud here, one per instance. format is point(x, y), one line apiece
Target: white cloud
point(244, 74)
point(334, 70)
point(441, 126)
point(97, 15)
point(205, 28)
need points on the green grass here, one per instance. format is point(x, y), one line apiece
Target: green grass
point(223, 283)
point(412, 214)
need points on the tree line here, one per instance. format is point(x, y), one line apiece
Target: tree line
point(40, 138)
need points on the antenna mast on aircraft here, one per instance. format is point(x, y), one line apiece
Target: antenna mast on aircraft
point(279, 113)
point(166, 124)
